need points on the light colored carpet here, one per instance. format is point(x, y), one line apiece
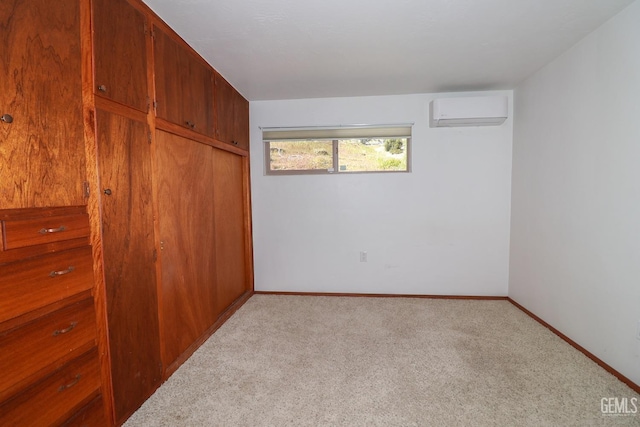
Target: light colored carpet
point(339, 361)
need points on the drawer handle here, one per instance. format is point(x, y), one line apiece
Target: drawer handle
point(62, 272)
point(71, 384)
point(65, 330)
point(52, 230)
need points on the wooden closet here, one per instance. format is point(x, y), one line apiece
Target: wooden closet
point(125, 226)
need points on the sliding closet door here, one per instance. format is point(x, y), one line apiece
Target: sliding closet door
point(186, 217)
point(228, 191)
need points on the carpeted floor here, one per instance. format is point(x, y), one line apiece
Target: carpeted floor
point(337, 361)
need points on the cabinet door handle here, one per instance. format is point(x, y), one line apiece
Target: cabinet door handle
point(190, 124)
point(62, 272)
point(52, 230)
point(107, 191)
point(65, 330)
point(71, 384)
point(6, 118)
point(102, 88)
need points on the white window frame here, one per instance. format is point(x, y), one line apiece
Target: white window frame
point(334, 134)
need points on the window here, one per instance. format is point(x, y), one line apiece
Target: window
point(345, 149)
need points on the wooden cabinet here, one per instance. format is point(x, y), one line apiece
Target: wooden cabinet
point(41, 125)
point(48, 328)
point(187, 242)
point(231, 114)
point(230, 226)
point(184, 85)
point(129, 256)
point(120, 53)
point(99, 195)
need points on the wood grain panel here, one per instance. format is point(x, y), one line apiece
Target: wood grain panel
point(240, 121)
point(184, 85)
point(129, 254)
point(30, 232)
point(231, 112)
point(186, 217)
point(37, 347)
point(37, 282)
point(120, 53)
point(55, 398)
point(42, 151)
point(223, 101)
point(228, 195)
point(92, 415)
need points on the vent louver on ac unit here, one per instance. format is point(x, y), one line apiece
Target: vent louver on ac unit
point(468, 111)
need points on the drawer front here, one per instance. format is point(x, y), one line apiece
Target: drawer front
point(30, 232)
point(92, 415)
point(57, 397)
point(34, 283)
point(38, 347)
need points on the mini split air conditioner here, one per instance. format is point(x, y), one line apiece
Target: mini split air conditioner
point(473, 111)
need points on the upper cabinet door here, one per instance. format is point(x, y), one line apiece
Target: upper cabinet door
point(41, 124)
point(184, 85)
point(241, 121)
point(120, 53)
point(231, 114)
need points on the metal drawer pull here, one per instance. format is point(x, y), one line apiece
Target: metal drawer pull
point(52, 230)
point(6, 118)
point(71, 384)
point(62, 272)
point(65, 330)
point(102, 88)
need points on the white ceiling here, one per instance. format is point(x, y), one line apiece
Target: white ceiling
point(285, 49)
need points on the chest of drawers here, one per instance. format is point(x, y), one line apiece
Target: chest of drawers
point(48, 339)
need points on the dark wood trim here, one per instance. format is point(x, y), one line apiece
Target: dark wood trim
point(351, 295)
point(18, 254)
point(248, 225)
point(33, 213)
point(94, 209)
point(106, 104)
point(169, 370)
point(167, 126)
point(635, 387)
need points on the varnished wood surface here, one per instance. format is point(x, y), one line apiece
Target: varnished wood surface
point(41, 152)
point(248, 224)
point(224, 111)
point(37, 348)
point(129, 257)
point(183, 85)
point(31, 232)
point(170, 127)
point(228, 196)
point(57, 397)
point(186, 217)
point(93, 209)
point(31, 284)
point(91, 415)
point(231, 114)
point(119, 44)
point(240, 121)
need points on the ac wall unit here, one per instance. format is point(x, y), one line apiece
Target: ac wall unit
point(468, 111)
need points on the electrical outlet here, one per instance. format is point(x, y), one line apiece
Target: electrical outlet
point(363, 256)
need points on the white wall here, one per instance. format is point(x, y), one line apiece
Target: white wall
point(575, 237)
point(441, 229)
